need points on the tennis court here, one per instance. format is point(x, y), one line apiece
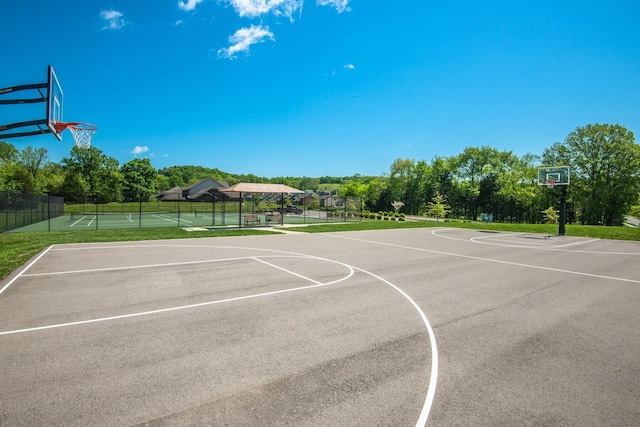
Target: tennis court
point(399, 327)
point(79, 221)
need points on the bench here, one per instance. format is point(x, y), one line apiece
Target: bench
point(268, 217)
point(251, 219)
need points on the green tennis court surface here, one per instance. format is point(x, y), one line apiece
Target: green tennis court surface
point(79, 221)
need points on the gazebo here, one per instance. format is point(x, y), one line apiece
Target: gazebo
point(253, 188)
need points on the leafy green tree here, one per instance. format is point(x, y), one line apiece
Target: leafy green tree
point(19, 170)
point(438, 207)
point(33, 159)
point(8, 158)
point(353, 189)
point(551, 215)
point(53, 176)
point(515, 191)
point(307, 183)
point(8, 153)
point(399, 180)
point(443, 182)
point(73, 188)
point(139, 179)
point(473, 166)
point(99, 172)
point(605, 171)
point(373, 194)
point(162, 183)
point(314, 202)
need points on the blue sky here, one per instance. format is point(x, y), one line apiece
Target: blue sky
point(324, 87)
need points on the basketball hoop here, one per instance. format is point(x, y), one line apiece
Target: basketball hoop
point(82, 132)
point(550, 183)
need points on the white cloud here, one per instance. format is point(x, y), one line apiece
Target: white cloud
point(113, 19)
point(189, 4)
point(253, 8)
point(242, 40)
point(340, 5)
point(179, 22)
point(139, 150)
point(349, 66)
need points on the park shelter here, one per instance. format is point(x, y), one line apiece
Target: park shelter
point(257, 188)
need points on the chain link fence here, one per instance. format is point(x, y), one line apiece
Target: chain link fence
point(20, 210)
point(35, 213)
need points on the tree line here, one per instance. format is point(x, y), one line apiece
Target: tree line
point(604, 161)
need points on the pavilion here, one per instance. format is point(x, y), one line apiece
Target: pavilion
point(257, 188)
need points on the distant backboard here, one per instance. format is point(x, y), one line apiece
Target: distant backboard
point(54, 102)
point(554, 175)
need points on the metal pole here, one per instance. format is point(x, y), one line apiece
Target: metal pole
point(97, 209)
point(49, 210)
point(563, 212)
point(282, 209)
point(224, 209)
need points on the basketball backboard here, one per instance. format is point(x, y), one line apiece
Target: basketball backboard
point(553, 175)
point(54, 103)
point(41, 120)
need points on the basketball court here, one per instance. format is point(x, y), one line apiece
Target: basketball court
point(405, 327)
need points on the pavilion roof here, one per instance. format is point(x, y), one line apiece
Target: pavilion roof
point(247, 187)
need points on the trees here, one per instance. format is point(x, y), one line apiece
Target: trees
point(22, 170)
point(98, 172)
point(438, 207)
point(476, 168)
point(605, 171)
point(138, 179)
point(409, 182)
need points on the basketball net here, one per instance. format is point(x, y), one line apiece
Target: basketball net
point(81, 132)
point(551, 183)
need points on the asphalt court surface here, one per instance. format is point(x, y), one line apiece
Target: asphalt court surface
point(405, 327)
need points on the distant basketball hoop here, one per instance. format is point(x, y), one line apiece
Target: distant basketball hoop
point(82, 132)
point(551, 183)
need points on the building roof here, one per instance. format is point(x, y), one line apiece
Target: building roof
point(247, 187)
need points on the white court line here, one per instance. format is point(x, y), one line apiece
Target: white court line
point(171, 219)
point(24, 269)
point(433, 377)
point(577, 243)
point(494, 236)
point(536, 246)
point(162, 310)
point(431, 389)
point(501, 239)
point(288, 271)
point(316, 284)
point(134, 267)
point(497, 261)
point(81, 219)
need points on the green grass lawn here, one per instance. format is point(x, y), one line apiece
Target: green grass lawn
point(18, 248)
